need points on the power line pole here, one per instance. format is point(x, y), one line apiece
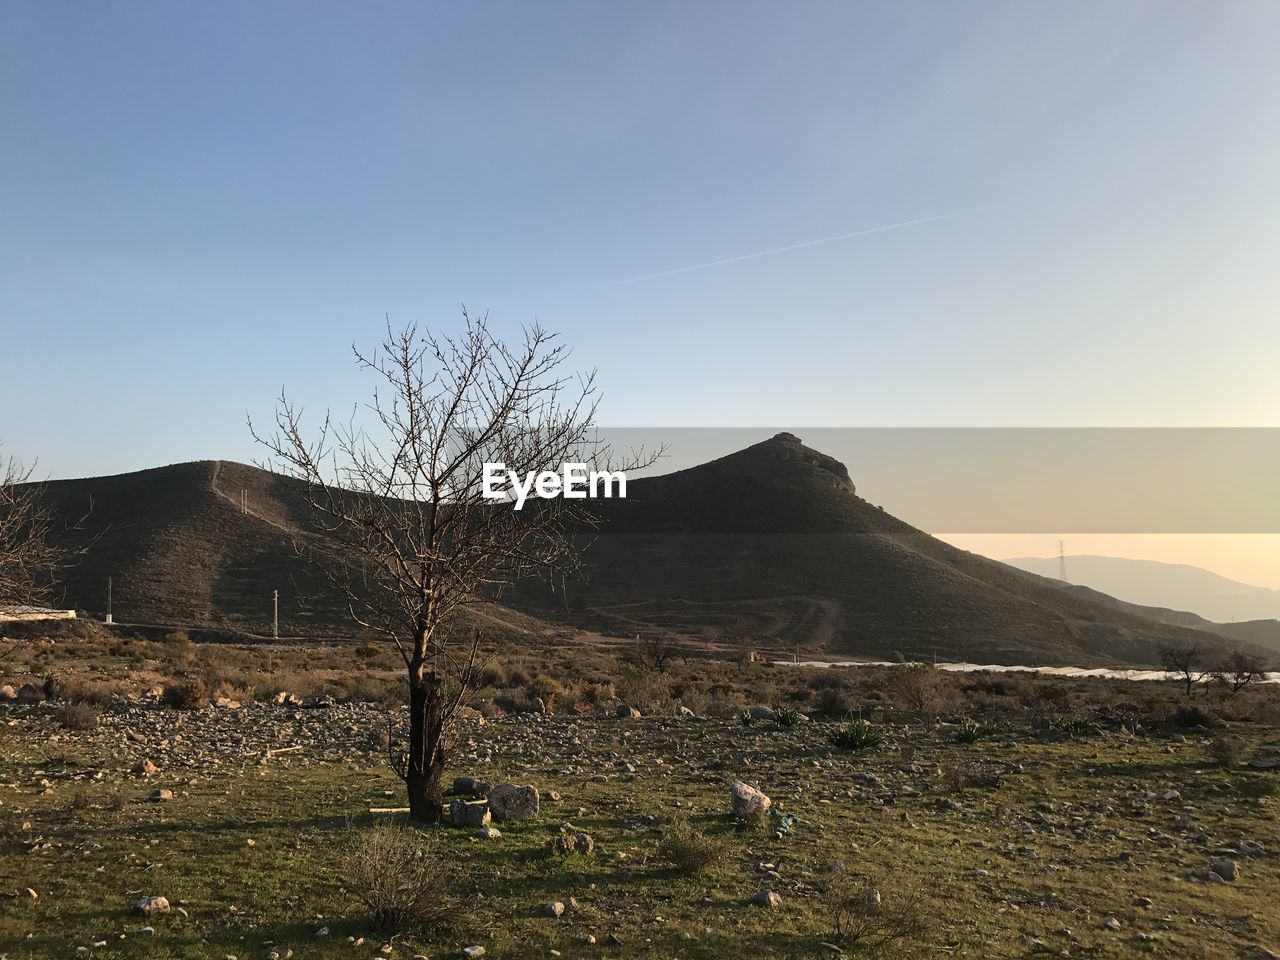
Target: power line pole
point(1062, 561)
point(109, 620)
point(275, 614)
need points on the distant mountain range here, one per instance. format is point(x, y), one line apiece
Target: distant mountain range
point(1174, 585)
point(769, 548)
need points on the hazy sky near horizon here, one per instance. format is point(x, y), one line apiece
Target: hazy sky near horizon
point(1048, 214)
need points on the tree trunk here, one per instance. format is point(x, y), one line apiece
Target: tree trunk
point(425, 767)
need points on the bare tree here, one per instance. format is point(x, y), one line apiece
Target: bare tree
point(1240, 670)
point(1183, 663)
point(28, 561)
point(409, 537)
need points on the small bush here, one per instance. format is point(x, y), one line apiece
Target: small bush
point(177, 639)
point(1258, 787)
point(860, 915)
point(787, 717)
point(401, 876)
point(77, 715)
point(688, 850)
point(1226, 752)
point(856, 735)
point(1189, 716)
point(971, 731)
point(186, 694)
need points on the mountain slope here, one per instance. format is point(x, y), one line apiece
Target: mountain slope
point(1155, 584)
point(770, 547)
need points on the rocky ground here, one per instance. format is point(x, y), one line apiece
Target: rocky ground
point(1088, 842)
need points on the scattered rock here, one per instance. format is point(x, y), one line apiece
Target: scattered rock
point(160, 796)
point(473, 953)
point(760, 712)
point(766, 898)
point(1112, 923)
point(1224, 869)
point(626, 712)
point(144, 768)
point(509, 801)
point(554, 909)
point(473, 813)
point(488, 833)
point(569, 844)
point(470, 786)
point(148, 906)
point(748, 802)
point(8, 693)
point(28, 894)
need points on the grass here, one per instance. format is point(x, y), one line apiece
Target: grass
point(89, 856)
point(1015, 845)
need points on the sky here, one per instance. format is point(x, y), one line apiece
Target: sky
point(742, 214)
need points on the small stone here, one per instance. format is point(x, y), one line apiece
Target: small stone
point(151, 905)
point(1112, 923)
point(1225, 869)
point(1142, 903)
point(160, 796)
point(555, 909)
point(29, 894)
point(473, 953)
point(761, 712)
point(626, 712)
point(488, 833)
point(145, 768)
point(767, 898)
point(569, 844)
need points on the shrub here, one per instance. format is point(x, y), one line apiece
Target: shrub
point(787, 717)
point(186, 694)
point(688, 850)
point(1258, 787)
point(401, 876)
point(1226, 752)
point(857, 735)
point(77, 715)
point(177, 639)
point(859, 915)
point(1188, 716)
point(971, 731)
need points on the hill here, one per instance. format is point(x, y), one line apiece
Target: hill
point(1152, 583)
point(769, 548)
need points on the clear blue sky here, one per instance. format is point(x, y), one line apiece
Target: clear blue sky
point(200, 203)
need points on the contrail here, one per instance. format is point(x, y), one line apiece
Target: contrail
point(794, 246)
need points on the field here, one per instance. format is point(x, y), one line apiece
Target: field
point(1032, 818)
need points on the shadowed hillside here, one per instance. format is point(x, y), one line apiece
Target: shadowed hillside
point(768, 548)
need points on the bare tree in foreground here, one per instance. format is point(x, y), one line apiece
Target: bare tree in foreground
point(411, 537)
point(28, 562)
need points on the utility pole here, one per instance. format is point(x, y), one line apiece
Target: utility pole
point(244, 503)
point(1062, 561)
point(275, 614)
point(108, 620)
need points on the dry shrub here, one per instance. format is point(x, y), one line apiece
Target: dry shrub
point(77, 714)
point(644, 688)
point(186, 694)
point(1226, 752)
point(860, 915)
point(402, 876)
point(925, 689)
point(688, 850)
